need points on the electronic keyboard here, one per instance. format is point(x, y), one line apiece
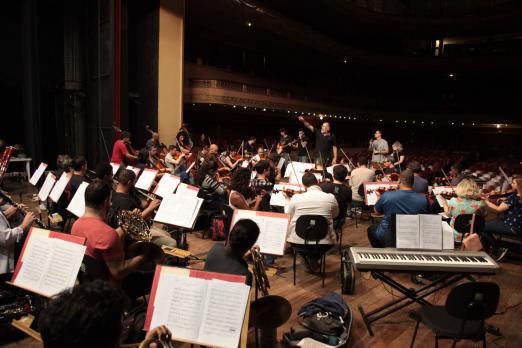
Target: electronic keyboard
point(390, 259)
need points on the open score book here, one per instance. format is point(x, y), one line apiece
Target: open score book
point(423, 231)
point(198, 307)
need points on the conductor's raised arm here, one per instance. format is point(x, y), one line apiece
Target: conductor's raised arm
point(306, 124)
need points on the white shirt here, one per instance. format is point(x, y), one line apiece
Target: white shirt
point(357, 178)
point(8, 237)
point(168, 161)
point(313, 202)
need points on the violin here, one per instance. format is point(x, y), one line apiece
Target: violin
point(288, 192)
point(498, 197)
point(381, 190)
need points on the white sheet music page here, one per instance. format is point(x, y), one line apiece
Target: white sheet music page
point(179, 305)
point(407, 231)
point(50, 179)
point(167, 185)
point(442, 189)
point(146, 179)
point(223, 314)
point(38, 174)
point(77, 204)
point(187, 190)
point(280, 163)
point(59, 187)
point(448, 237)
point(273, 228)
point(430, 229)
point(178, 210)
point(134, 169)
point(115, 167)
point(50, 265)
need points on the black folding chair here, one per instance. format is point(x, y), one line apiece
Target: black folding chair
point(312, 229)
point(462, 317)
point(469, 223)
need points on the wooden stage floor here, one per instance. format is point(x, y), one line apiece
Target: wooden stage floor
point(393, 331)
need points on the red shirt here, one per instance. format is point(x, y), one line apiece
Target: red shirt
point(102, 241)
point(118, 152)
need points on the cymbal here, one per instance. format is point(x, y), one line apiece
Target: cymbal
point(270, 312)
point(152, 252)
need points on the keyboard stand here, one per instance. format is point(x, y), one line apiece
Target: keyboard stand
point(410, 295)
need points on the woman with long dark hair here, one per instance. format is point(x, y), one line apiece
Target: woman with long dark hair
point(242, 196)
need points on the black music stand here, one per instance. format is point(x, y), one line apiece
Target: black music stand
point(410, 295)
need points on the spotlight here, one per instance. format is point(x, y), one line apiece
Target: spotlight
point(451, 75)
point(234, 106)
point(264, 109)
point(249, 24)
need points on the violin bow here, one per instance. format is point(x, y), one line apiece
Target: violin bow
point(445, 176)
point(348, 158)
point(503, 174)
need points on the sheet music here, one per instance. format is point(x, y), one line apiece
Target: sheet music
point(280, 163)
point(49, 265)
point(448, 237)
point(407, 231)
point(135, 170)
point(298, 167)
point(178, 210)
point(77, 204)
point(198, 309)
point(59, 187)
point(370, 195)
point(115, 168)
point(50, 179)
point(244, 164)
point(272, 230)
point(167, 185)
point(38, 174)
point(146, 179)
point(187, 190)
point(279, 199)
point(223, 313)
point(430, 232)
point(179, 305)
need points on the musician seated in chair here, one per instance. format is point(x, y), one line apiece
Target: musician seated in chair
point(103, 172)
point(79, 166)
point(313, 202)
point(402, 201)
point(212, 190)
point(89, 315)
point(105, 244)
point(125, 198)
point(261, 183)
point(388, 166)
point(242, 195)
point(342, 193)
point(420, 185)
point(229, 259)
point(174, 159)
point(359, 176)
point(9, 236)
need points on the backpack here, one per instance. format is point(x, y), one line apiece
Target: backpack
point(217, 228)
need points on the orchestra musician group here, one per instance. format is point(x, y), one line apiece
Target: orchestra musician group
point(243, 177)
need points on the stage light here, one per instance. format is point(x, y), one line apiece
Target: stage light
point(320, 117)
point(234, 106)
point(437, 43)
point(249, 24)
point(264, 109)
point(345, 61)
point(451, 75)
point(498, 126)
point(244, 107)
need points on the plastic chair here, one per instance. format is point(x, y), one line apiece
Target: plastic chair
point(462, 317)
point(312, 229)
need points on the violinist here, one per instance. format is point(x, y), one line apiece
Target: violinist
point(398, 156)
point(232, 160)
point(509, 220)
point(156, 162)
point(182, 142)
point(284, 146)
point(325, 151)
point(212, 190)
point(154, 140)
point(174, 160)
point(262, 183)
point(79, 166)
point(242, 196)
point(420, 185)
point(358, 177)
point(120, 151)
point(455, 174)
point(250, 146)
point(388, 166)
point(301, 145)
point(467, 200)
point(342, 193)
